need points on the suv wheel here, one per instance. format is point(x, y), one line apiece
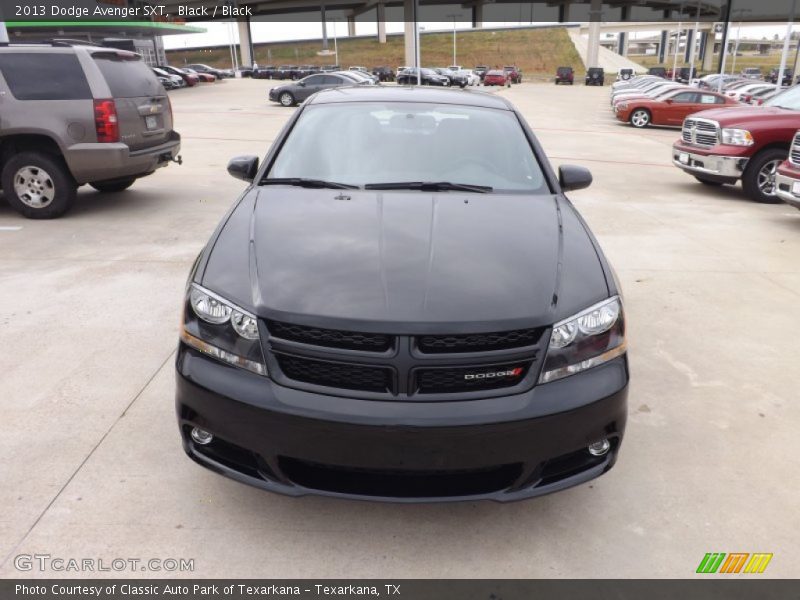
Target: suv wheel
point(286, 99)
point(112, 186)
point(758, 180)
point(38, 185)
point(640, 118)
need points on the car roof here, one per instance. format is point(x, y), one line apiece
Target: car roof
point(409, 94)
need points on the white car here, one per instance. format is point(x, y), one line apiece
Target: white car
point(749, 90)
point(472, 78)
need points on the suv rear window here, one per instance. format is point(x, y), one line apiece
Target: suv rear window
point(44, 76)
point(127, 77)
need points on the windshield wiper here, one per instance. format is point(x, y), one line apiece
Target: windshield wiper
point(308, 183)
point(429, 186)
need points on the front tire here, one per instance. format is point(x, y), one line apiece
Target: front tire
point(38, 185)
point(758, 180)
point(112, 186)
point(286, 99)
point(640, 118)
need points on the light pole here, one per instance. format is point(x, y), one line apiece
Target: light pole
point(454, 16)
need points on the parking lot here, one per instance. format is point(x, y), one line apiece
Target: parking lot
point(89, 316)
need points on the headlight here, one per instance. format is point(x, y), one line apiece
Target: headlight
point(221, 329)
point(622, 105)
point(590, 338)
point(737, 137)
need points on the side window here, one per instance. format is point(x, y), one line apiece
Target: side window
point(685, 98)
point(314, 80)
point(709, 99)
point(40, 76)
point(332, 80)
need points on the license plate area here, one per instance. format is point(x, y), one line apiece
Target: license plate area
point(151, 122)
point(796, 188)
point(683, 158)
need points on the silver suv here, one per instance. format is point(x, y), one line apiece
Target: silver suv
point(71, 115)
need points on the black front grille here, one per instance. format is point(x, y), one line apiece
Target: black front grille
point(335, 374)
point(331, 338)
point(448, 380)
point(478, 342)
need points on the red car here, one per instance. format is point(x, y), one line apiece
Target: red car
point(204, 77)
point(669, 109)
point(191, 79)
point(514, 73)
point(497, 77)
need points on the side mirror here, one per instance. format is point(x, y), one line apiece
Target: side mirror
point(572, 177)
point(669, 100)
point(301, 83)
point(243, 167)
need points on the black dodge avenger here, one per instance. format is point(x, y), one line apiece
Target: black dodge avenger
point(404, 306)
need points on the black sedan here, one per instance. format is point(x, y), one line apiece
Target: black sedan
point(427, 77)
point(396, 310)
point(218, 73)
point(294, 93)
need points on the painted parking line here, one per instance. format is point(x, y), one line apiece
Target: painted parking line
point(10, 227)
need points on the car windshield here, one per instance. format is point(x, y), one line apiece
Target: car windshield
point(790, 99)
point(393, 142)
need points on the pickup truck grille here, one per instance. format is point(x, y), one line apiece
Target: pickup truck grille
point(700, 132)
point(794, 153)
point(425, 367)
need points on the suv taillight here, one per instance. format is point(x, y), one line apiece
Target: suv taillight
point(169, 105)
point(105, 121)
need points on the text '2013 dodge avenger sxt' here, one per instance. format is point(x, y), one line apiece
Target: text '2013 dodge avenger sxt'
point(404, 306)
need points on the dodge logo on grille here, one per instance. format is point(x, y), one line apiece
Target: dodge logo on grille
point(492, 374)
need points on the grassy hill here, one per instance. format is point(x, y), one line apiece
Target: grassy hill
point(535, 51)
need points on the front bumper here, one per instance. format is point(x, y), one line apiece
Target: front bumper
point(297, 443)
point(724, 168)
point(785, 178)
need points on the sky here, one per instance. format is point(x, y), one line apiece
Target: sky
point(222, 33)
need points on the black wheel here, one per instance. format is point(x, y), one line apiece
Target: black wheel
point(38, 185)
point(708, 182)
point(113, 186)
point(286, 99)
point(640, 118)
point(758, 180)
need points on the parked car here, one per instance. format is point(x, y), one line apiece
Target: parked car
point(428, 76)
point(472, 78)
point(787, 176)
point(514, 73)
point(358, 77)
point(712, 82)
point(752, 73)
point(656, 93)
point(218, 73)
point(480, 71)
point(191, 79)
point(773, 76)
point(746, 143)
point(515, 388)
point(285, 71)
point(166, 82)
point(455, 78)
point(670, 108)
point(363, 71)
point(565, 75)
point(329, 68)
point(595, 76)
point(203, 77)
point(758, 98)
point(384, 73)
point(740, 92)
point(625, 74)
point(291, 94)
point(658, 72)
point(244, 70)
point(264, 72)
point(176, 81)
point(76, 114)
point(497, 77)
point(686, 74)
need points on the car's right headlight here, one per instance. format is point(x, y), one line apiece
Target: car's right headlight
point(219, 328)
point(590, 338)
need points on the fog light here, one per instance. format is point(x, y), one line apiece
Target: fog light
point(203, 437)
point(597, 449)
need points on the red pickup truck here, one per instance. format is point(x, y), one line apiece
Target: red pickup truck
point(724, 145)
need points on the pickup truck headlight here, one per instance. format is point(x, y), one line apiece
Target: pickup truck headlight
point(622, 105)
point(737, 137)
point(221, 329)
point(590, 338)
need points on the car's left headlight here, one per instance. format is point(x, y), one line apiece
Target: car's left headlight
point(737, 137)
point(219, 328)
point(590, 338)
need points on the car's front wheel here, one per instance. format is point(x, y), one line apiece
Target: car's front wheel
point(117, 185)
point(286, 99)
point(640, 118)
point(38, 185)
point(758, 180)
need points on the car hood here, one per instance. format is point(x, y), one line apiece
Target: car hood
point(748, 116)
point(406, 262)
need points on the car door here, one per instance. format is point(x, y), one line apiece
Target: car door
point(307, 86)
point(675, 109)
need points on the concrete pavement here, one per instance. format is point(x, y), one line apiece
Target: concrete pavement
point(89, 310)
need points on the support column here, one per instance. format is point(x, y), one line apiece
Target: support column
point(687, 55)
point(593, 47)
point(245, 42)
point(381, 23)
point(622, 40)
point(563, 12)
point(477, 15)
point(408, 33)
point(707, 53)
point(662, 47)
point(351, 26)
